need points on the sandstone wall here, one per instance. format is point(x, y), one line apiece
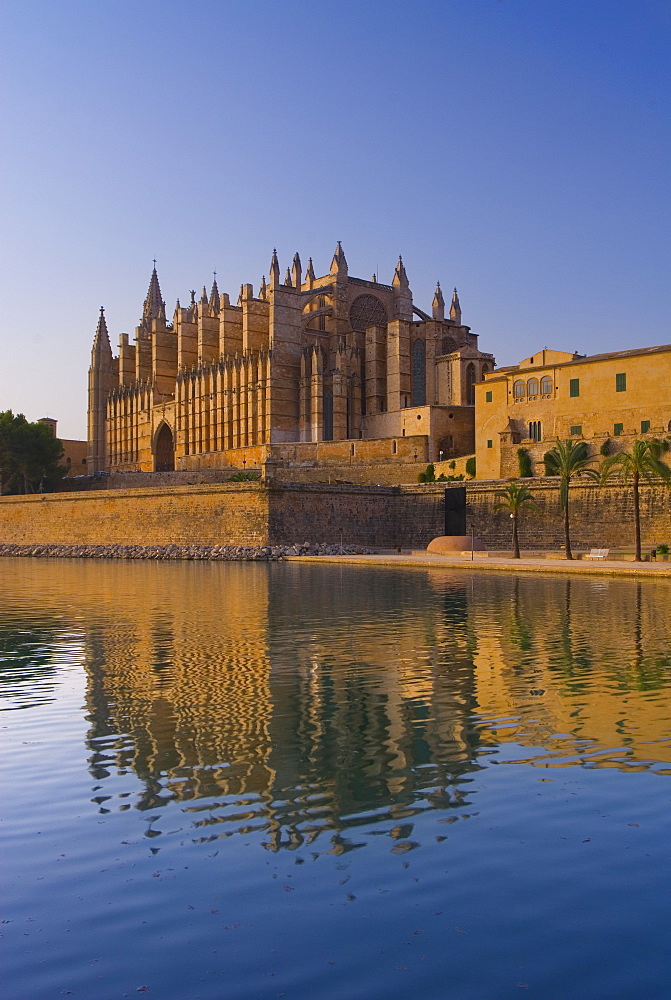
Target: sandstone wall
point(235, 514)
point(285, 513)
point(383, 517)
point(600, 516)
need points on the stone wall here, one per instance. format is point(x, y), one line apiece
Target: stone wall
point(382, 517)
point(600, 516)
point(235, 514)
point(285, 513)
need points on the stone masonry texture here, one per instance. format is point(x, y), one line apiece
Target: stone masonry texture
point(287, 513)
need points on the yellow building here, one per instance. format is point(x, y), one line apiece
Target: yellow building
point(304, 360)
point(607, 400)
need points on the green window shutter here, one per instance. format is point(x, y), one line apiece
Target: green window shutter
point(490, 444)
point(574, 387)
point(576, 429)
point(488, 397)
point(617, 429)
point(645, 426)
point(621, 382)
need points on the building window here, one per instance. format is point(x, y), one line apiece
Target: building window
point(618, 429)
point(519, 390)
point(621, 382)
point(576, 429)
point(535, 432)
point(546, 386)
point(418, 373)
point(470, 385)
point(490, 443)
point(488, 397)
point(574, 387)
point(645, 426)
point(394, 447)
point(532, 387)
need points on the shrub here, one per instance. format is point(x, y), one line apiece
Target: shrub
point(452, 465)
point(663, 549)
point(606, 448)
point(244, 477)
point(470, 466)
point(429, 476)
point(524, 463)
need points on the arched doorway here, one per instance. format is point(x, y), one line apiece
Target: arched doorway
point(164, 450)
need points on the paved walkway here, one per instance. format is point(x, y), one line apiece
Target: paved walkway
point(497, 562)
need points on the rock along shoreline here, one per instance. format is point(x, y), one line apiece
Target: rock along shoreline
point(220, 553)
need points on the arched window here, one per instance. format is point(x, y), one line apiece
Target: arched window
point(546, 386)
point(470, 385)
point(448, 345)
point(485, 370)
point(532, 387)
point(535, 430)
point(519, 389)
point(418, 373)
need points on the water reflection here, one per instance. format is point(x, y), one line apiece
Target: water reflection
point(298, 700)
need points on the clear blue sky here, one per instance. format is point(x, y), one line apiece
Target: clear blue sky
point(518, 149)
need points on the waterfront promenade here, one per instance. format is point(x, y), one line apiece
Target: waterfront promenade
point(500, 562)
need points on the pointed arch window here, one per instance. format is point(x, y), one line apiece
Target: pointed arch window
point(418, 373)
point(470, 384)
point(535, 430)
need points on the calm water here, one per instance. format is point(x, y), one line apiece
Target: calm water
point(250, 781)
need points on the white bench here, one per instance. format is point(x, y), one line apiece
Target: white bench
point(597, 554)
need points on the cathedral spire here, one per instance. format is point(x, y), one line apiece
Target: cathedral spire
point(400, 278)
point(455, 309)
point(214, 297)
point(262, 288)
point(154, 305)
point(296, 272)
point(287, 279)
point(274, 270)
point(339, 262)
point(102, 349)
point(438, 304)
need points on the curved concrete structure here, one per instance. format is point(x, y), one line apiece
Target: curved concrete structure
point(455, 543)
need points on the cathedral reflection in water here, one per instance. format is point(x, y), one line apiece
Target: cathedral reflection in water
point(299, 699)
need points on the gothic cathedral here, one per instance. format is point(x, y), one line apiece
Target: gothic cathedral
point(305, 360)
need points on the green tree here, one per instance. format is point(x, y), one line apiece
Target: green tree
point(29, 455)
point(568, 460)
point(643, 462)
point(514, 498)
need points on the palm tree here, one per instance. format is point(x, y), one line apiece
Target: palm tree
point(513, 499)
point(568, 460)
point(643, 462)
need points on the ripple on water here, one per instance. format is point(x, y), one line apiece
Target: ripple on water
point(286, 780)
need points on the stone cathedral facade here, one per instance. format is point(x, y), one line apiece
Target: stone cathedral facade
point(305, 360)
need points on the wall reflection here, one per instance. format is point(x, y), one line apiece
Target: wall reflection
point(299, 699)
